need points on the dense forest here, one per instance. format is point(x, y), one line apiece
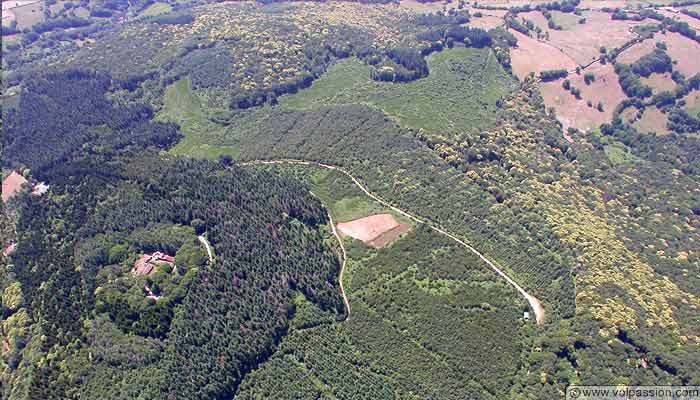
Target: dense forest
point(423, 111)
point(68, 289)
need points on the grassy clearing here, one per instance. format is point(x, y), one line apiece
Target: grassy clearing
point(618, 154)
point(156, 9)
point(182, 106)
point(565, 20)
point(459, 94)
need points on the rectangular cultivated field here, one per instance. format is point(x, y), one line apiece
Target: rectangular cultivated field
point(682, 50)
point(577, 113)
point(368, 228)
point(533, 55)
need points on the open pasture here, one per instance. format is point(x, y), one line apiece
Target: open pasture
point(533, 55)
point(576, 113)
point(681, 49)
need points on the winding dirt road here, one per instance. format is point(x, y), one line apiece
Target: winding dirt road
point(345, 259)
point(205, 242)
point(534, 303)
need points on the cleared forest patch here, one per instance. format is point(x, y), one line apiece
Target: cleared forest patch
point(11, 185)
point(387, 237)
point(368, 228)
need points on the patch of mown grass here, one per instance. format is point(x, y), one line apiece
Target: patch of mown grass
point(460, 93)
point(183, 107)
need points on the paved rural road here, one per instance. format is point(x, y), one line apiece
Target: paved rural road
point(204, 241)
point(532, 300)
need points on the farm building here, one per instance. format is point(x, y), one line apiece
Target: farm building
point(148, 262)
point(12, 185)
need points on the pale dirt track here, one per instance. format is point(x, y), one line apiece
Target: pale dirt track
point(535, 304)
point(204, 241)
point(342, 267)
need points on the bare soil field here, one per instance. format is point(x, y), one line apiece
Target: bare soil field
point(681, 49)
point(659, 82)
point(532, 55)
point(368, 228)
point(387, 237)
point(486, 22)
point(11, 185)
point(583, 41)
point(653, 120)
point(575, 113)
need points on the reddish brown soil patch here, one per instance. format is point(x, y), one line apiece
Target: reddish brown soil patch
point(12, 185)
point(532, 55)
point(660, 82)
point(368, 228)
point(576, 113)
point(389, 236)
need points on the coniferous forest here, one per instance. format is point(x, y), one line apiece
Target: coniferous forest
point(159, 244)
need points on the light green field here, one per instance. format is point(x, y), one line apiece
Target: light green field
point(618, 153)
point(459, 94)
point(182, 106)
point(565, 20)
point(156, 9)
